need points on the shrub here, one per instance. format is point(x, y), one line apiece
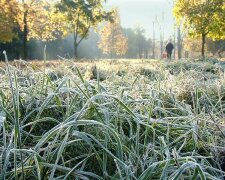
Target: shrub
point(153, 75)
point(204, 67)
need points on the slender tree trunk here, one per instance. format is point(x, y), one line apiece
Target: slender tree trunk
point(112, 49)
point(174, 50)
point(139, 51)
point(75, 46)
point(77, 42)
point(75, 50)
point(161, 47)
point(161, 44)
point(179, 43)
point(139, 48)
point(75, 36)
point(25, 34)
point(153, 46)
point(203, 44)
point(219, 53)
point(146, 54)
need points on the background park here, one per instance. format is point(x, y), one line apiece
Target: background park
point(87, 90)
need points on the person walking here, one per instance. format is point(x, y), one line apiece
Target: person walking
point(169, 50)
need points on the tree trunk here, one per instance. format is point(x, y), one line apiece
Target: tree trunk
point(219, 53)
point(153, 49)
point(75, 44)
point(140, 49)
point(146, 54)
point(179, 43)
point(174, 50)
point(75, 50)
point(25, 33)
point(111, 54)
point(161, 46)
point(153, 46)
point(161, 50)
point(203, 44)
point(140, 55)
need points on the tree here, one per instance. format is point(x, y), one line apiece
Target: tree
point(142, 43)
point(113, 42)
point(132, 42)
point(78, 16)
point(202, 18)
point(153, 40)
point(161, 25)
point(44, 24)
point(36, 20)
point(138, 45)
point(140, 40)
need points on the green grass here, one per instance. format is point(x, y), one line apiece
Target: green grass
point(121, 120)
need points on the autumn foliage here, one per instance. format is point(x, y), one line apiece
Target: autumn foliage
point(7, 20)
point(113, 41)
point(49, 20)
point(200, 18)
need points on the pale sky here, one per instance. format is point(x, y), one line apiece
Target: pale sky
point(143, 13)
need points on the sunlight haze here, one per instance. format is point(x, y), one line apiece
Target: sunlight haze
point(143, 13)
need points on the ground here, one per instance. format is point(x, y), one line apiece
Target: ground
point(113, 119)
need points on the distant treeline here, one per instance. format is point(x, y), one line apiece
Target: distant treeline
point(62, 47)
point(138, 47)
point(84, 29)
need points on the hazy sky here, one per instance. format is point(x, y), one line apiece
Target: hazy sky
point(143, 13)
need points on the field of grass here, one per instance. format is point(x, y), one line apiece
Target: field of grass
point(115, 119)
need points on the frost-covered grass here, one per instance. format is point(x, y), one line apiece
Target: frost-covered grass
point(112, 120)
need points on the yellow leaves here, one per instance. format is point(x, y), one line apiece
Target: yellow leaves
point(112, 39)
point(7, 22)
point(42, 24)
point(201, 17)
point(40, 18)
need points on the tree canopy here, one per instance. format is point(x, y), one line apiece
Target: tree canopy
point(204, 18)
point(46, 21)
point(79, 16)
point(7, 20)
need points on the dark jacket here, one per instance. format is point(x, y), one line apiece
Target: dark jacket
point(169, 47)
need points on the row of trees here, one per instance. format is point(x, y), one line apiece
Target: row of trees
point(57, 23)
point(43, 20)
